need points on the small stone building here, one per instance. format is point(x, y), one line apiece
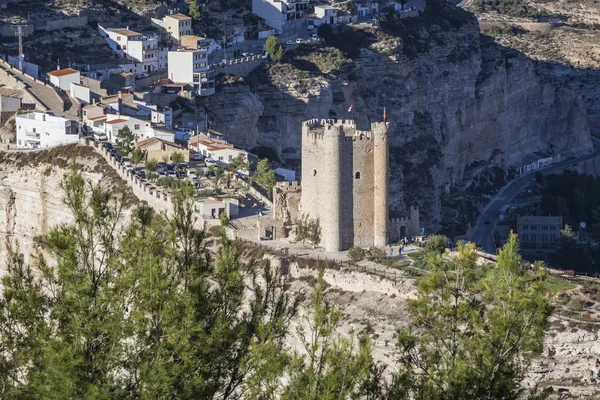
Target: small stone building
point(538, 235)
point(10, 102)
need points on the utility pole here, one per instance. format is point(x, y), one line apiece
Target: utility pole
point(19, 35)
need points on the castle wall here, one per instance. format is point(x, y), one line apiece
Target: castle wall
point(286, 202)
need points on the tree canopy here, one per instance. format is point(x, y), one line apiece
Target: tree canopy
point(274, 48)
point(125, 141)
point(118, 308)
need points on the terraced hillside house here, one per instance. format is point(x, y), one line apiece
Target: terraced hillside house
point(176, 25)
point(160, 150)
point(62, 78)
point(215, 149)
point(37, 130)
point(190, 67)
point(144, 49)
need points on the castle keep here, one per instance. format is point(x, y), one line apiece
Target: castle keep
point(345, 182)
point(344, 185)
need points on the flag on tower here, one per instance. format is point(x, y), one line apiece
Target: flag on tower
point(351, 109)
point(384, 115)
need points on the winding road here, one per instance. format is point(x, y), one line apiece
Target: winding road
point(483, 232)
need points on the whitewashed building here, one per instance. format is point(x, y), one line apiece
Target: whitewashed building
point(40, 130)
point(190, 66)
point(62, 78)
point(81, 93)
point(138, 47)
point(215, 149)
point(326, 14)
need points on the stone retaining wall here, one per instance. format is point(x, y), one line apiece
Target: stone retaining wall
point(240, 66)
point(160, 201)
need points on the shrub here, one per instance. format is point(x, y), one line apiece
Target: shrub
point(357, 254)
point(436, 243)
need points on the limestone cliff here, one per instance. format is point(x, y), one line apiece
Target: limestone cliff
point(31, 198)
point(462, 110)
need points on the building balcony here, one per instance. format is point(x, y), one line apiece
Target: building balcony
point(32, 135)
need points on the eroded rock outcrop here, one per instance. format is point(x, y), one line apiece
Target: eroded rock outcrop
point(461, 107)
point(31, 197)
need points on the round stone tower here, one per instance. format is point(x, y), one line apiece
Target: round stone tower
point(331, 200)
point(322, 192)
point(380, 177)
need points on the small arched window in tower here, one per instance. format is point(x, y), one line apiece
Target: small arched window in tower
point(357, 175)
point(314, 172)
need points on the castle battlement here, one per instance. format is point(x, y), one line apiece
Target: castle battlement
point(346, 128)
point(288, 186)
point(322, 123)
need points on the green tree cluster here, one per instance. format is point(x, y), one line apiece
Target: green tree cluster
point(195, 10)
point(124, 141)
point(239, 163)
point(177, 157)
point(143, 309)
point(265, 176)
point(307, 229)
point(472, 338)
point(274, 48)
point(573, 196)
point(570, 254)
point(138, 155)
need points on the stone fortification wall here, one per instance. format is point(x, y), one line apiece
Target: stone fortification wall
point(404, 227)
point(63, 23)
point(286, 202)
point(345, 182)
point(240, 66)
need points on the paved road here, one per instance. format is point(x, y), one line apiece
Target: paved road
point(45, 94)
point(483, 233)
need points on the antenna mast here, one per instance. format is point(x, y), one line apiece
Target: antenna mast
point(19, 35)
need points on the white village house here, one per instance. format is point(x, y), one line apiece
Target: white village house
point(138, 47)
point(190, 66)
point(62, 78)
point(216, 149)
point(40, 130)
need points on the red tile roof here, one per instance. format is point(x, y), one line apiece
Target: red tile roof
point(116, 121)
point(63, 72)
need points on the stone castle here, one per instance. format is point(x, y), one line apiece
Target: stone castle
point(345, 186)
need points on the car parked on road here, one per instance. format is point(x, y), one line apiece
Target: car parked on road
point(300, 41)
point(210, 161)
point(195, 156)
point(289, 42)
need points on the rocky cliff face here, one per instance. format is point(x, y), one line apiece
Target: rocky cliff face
point(31, 198)
point(463, 109)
